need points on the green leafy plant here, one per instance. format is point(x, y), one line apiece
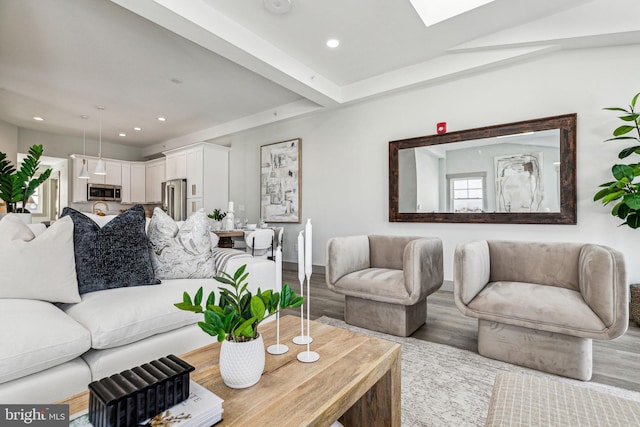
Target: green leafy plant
point(624, 189)
point(217, 215)
point(18, 185)
point(238, 313)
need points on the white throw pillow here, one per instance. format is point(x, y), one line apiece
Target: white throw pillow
point(181, 252)
point(41, 268)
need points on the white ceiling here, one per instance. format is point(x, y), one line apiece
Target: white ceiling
point(241, 66)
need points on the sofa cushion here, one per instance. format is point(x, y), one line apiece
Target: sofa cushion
point(533, 305)
point(114, 256)
point(40, 267)
point(121, 316)
point(181, 252)
point(37, 335)
point(380, 284)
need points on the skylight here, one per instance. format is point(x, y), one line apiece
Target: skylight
point(433, 11)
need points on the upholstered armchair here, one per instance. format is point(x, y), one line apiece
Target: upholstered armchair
point(540, 305)
point(385, 279)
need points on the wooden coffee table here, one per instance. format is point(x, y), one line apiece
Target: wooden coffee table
point(356, 380)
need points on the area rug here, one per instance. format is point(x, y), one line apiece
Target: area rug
point(447, 386)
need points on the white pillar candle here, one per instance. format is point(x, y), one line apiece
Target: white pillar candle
point(300, 257)
point(307, 248)
point(278, 269)
point(230, 207)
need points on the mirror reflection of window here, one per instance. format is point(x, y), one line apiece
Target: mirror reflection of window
point(467, 194)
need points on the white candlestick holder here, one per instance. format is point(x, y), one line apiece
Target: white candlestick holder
point(277, 348)
point(302, 339)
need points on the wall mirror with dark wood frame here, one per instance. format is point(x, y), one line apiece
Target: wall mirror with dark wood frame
point(521, 173)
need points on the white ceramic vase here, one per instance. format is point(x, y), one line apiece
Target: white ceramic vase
point(242, 363)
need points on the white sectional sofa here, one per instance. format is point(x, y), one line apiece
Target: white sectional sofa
point(50, 350)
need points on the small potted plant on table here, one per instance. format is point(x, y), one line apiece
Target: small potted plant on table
point(217, 216)
point(234, 320)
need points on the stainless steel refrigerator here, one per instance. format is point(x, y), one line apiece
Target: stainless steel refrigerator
point(174, 198)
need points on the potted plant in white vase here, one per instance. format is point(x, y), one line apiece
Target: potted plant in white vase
point(17, 185)
point(234, 320)
point(217, 216)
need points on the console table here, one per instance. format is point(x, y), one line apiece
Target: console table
point(356, 380)
point(226, 240)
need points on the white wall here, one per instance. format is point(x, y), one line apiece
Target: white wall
point(9, 141)
point(344, 151)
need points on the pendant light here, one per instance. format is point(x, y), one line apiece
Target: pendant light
point(100, 166)
point(84, 172)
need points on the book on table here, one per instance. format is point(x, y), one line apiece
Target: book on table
point(202, 408)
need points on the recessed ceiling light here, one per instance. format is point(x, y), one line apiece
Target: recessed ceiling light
point(38, 118)
point(122, 134)
point(333, 43)
point(137, 128)
point(162, 119)
point(278, 7)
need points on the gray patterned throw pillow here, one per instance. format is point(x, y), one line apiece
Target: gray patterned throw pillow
point(181, 252)
point(114, 256)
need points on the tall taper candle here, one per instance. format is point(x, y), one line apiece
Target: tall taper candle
point(307, 249)
point(279, 269)
point(301, 339)
point(300, 257)
point(230, 207)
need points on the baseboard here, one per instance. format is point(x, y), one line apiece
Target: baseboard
point(293, 266)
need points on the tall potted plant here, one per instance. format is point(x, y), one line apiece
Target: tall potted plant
point(17, 185)
point(234, 320)
point(624, 189)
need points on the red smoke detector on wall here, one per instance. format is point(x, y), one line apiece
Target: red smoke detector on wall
point(441, 127)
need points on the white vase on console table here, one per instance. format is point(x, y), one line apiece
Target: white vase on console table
point(228, 222)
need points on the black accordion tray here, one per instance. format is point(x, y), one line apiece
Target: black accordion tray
point(132, 396)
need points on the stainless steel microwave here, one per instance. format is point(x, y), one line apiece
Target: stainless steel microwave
point(111, 193)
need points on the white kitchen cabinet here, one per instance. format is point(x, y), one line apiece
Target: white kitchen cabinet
point(193, 205)
point(125, 193)
point(208, 177)
point(114, 172)
point(154, 177)
point(176, 166)
point(93, 178)
point(195, 171)
point(138, 178)
point(207, 172)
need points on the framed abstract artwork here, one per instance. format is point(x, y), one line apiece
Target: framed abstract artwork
point(280, 181)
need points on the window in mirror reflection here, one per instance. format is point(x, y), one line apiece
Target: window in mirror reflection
point(467, 193)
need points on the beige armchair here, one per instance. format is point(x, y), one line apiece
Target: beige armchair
point(539, 305)
point(385, 279)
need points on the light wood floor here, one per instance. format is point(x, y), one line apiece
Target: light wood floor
point(615, 362)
